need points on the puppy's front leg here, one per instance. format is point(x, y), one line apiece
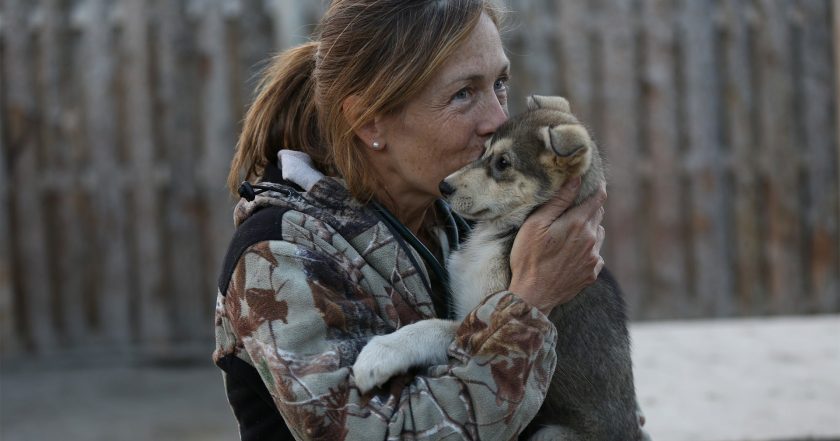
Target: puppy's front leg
point(419, 344)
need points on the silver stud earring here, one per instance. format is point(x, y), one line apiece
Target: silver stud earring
point(376, 145)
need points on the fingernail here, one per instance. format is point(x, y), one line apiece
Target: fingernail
point(575, 183)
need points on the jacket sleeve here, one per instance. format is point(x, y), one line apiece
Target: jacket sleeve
point(301, 318)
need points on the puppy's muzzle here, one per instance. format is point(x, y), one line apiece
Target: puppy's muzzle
point(446, 189)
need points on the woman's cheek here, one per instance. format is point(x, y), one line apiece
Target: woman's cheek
point(459, 161)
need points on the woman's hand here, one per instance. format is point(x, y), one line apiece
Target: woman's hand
point(557, 250)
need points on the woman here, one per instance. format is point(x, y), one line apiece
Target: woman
point(394, 96)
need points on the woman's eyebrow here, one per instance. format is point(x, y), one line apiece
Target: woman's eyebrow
point(470, 78)
point(467, 79)
point(505, 69)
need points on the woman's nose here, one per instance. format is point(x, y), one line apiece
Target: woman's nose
point(493, 117)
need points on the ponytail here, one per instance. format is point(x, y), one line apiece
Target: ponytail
point(283, 115)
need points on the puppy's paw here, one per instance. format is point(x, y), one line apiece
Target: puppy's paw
point(379, 361)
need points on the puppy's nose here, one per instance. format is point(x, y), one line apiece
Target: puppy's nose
point(446, 189)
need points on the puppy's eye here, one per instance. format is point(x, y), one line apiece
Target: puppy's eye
point(502, 163)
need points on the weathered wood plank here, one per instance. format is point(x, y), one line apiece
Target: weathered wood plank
point(736, 88)
point(187, 287)
point(664, 221)
point(712, 275)
point(779, 157)
point(619, 142)
point(70, 243)
point(573, 55)
point(219, 138)
point(835, 8)
point(253, 36)
point(76, 131)
point(290, 20)
point(28, 225)
point(523, 79)
point(820, 139)
point(113, 296)
point(9, 343)
point(534, 68)
point(146, 236)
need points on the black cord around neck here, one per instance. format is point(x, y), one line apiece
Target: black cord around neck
point(432, 262)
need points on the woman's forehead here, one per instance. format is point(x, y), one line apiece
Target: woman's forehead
point(480, 55)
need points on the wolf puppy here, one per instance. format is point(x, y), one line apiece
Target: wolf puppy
point(591, 396)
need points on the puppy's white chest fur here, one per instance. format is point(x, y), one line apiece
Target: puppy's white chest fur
point(480, 268)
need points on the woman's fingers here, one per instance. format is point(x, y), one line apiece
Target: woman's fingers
point(599, 217)
point(598, 267)
point(595, 203)
point(558, 205)
point(599, 241)
point(585, 217)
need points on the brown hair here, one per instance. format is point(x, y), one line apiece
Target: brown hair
point(382, 51)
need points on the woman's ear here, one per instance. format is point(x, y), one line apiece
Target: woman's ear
point(368, 132)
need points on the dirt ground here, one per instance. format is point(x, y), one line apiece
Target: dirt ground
point(731, 380)
point(734, 380)
point(115, 403)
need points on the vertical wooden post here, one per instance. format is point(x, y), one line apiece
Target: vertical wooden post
point(146, 237)
point(8, 336)
point(818, 144)
point(30, 247)
point(835, 8)
point(664, 221)
point(737, 95)
point(288, 22)
point(713, 277)
point(780, 157)
point(54, 85)
point(218, 135)
point(574, 58)
point(177, 91)
point(533, 57)
point(517, 48)
point(108, 191)
point(619, 142)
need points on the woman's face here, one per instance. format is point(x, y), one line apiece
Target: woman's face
point(445, 127)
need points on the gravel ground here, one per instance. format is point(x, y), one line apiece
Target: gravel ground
point(735, 380)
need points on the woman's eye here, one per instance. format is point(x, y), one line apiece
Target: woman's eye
point(501, 85)
point(461, 94)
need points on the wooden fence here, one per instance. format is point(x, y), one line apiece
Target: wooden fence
point(718, 119)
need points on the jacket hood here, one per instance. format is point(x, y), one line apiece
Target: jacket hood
point(294, 184)
point(326, 199)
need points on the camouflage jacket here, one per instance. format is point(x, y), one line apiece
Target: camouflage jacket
point(300, 308)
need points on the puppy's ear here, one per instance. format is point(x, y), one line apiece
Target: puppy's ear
point(549, 102)
point(566, 140)
point(572, 148)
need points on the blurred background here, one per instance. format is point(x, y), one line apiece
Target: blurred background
point(118, 119)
